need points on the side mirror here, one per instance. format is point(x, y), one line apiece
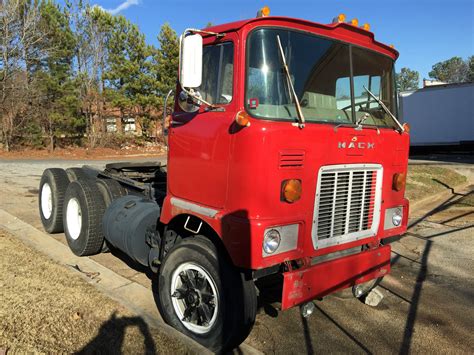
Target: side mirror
point(190, 61)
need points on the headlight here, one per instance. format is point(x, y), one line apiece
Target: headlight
point(393, 217)
point(397, 218)
point(271, 241)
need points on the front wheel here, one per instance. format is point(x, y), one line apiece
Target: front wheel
point(203, 296)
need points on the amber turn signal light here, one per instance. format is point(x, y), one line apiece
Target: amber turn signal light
point(406, 127)
point(399, 181)
point(242, 119)
point(291, 190)
point(340, 18)
point(263, 12)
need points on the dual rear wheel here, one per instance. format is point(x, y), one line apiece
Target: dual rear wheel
point(74, 202)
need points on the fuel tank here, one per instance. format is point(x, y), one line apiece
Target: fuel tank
point(129, 224)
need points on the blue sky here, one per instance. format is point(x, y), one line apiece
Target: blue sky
point(423, 31)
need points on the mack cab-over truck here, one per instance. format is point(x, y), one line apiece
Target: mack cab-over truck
point(286, 166)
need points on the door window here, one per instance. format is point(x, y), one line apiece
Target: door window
point(218, 73)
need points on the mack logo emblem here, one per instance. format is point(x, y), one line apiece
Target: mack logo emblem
point(360, 145)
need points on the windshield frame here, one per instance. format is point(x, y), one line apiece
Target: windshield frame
point(350, 45)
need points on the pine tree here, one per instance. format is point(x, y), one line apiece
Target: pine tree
point(167, 59)
point(131, 84)
point(57, 98)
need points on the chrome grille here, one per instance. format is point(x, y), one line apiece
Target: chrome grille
point(347, 200)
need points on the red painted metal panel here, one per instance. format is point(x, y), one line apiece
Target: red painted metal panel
point(319, 280)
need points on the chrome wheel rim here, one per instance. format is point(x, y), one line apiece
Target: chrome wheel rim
point(46, 201)
point(194, 297)
point(73, 218)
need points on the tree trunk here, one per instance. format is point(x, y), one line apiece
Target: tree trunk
point(51, 143)
point(7, 144)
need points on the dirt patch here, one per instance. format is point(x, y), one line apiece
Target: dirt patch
point(423, 181)
point(84, 153)
point(49, 308)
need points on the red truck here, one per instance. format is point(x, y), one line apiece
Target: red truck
point(286, 166)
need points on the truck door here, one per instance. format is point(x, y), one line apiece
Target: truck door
point(199, 142)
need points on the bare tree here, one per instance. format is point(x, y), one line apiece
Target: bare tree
point(89, 23)
point(19, 39)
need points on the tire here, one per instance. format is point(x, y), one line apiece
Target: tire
point(231, 317)
point(110, 190)
point(84, 208)
point(75, 174)
point(53, 185)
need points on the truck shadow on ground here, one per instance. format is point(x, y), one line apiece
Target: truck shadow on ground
point(414, 302)
point(110, 337)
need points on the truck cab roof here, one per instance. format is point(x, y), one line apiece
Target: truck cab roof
point(341, 31)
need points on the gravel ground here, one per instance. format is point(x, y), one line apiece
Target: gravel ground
point(48, 308)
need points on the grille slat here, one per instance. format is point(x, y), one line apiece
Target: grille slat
point(346, 202)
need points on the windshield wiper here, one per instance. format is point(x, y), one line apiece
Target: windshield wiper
point(401, 129)
point(299, 112)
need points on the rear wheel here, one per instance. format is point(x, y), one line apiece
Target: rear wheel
point(84, 208)
point(202, 295)
point(75, 174)
point(52, 188)
point(110, 190)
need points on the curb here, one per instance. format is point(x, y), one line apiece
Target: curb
point(129, 294)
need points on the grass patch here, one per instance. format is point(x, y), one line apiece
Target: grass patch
point(425, 180)
point(466, 201)
point(49, 308)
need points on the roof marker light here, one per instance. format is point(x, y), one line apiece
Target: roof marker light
point(339, 18)
point(263, 12)
point(366, 26)
point(354, 22)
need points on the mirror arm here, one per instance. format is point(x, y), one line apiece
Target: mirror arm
point(193, 30)
point(195, 97)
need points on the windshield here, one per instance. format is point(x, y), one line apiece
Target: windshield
point(320, 71)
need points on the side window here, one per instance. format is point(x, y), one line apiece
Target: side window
point(218, 73)
point(343, 93)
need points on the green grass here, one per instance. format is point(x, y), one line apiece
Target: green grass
point(424, 181)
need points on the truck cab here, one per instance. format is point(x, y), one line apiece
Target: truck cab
point(273, 190)
point(285, 161)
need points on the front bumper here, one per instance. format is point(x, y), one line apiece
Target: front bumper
point(315, 281)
